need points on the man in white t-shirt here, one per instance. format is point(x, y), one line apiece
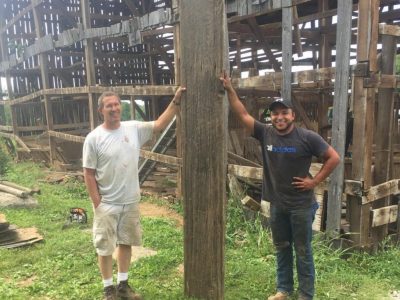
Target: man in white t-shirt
point(110, 165)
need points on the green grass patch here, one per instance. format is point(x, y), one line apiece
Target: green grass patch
point(64, 265)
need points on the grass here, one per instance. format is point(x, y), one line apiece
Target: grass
point(64, 265)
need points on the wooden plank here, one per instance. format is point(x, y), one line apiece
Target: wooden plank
point(388, 29)
point(384, 215)
point(241, 160)
point(167, 159)
point(204, 141)
point(251, 203)
point(382, 190)
point(245, 172)
point(339, 122)
point(66, 137)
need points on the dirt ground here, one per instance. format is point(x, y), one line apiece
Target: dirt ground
point(153, 210)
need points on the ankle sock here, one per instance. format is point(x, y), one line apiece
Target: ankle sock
point(122, 277)
point(107, 282)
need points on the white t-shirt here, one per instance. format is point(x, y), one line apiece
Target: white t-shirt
point(114, 154)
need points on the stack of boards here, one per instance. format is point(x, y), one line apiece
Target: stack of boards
point(12, 237)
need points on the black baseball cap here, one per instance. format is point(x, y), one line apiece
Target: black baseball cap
point(281, 101)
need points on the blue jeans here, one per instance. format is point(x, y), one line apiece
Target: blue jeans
point(294, 227)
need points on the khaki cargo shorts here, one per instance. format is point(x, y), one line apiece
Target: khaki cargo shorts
point(114, 225)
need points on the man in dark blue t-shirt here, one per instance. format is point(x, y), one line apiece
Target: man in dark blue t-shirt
point(288, 186)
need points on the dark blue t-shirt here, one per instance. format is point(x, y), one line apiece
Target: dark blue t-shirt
point(285, 157)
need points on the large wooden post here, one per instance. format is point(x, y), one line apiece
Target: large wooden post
point(203, 41)
point(89, 64)
point(325, 61)
point(43, 61)
point(385, 116)
point(343, 40)
point(287, 41)
point(364, 105)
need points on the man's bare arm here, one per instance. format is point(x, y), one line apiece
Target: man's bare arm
point(91, 185)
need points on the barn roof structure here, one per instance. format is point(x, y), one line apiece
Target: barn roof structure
point(58, 56)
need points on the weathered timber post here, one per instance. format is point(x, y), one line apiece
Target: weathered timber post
point(89, 64)
point(287, 41)
point(324, 61)
point(203, 50)
point(44, 75)
point(343, 40)
point(364, 104)
point(385, 116)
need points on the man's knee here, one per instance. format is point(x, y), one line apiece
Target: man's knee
point(282, 245)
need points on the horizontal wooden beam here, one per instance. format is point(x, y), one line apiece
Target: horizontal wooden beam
point(6, 128)
point(382, 81)
point(144, 90)
point(356, 188)
point(66, 137)
point(128, 28)
point(384, 215)
point(382, 190)
point(389, 29)
point(167, 159)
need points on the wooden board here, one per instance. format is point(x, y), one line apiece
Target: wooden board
point(384, 215)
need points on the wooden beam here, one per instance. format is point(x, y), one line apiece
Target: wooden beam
point(251, 203)
point(364, 106)
point(287, 40)
point(384, 132)
point(17, 139)
point(265, 46)
point(204, 144)
point(66, 137)
point(90, 71)
point(384, 215)
point(382, 190)
point(157, 90)
point(162, 158)
point(339, 124)
point(387, 29)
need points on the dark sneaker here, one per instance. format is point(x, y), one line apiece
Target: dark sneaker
point(110, 293)
point(124, 292)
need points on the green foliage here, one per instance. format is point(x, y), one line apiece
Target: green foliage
point(64, 265)
point(4, 159)
point(126, 111)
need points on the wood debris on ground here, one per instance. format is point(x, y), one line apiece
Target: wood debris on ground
point(54, 177)
point(14, 195)
point(12, 237)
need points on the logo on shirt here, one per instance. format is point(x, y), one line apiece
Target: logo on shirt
point(272, 148)
point(126, 139)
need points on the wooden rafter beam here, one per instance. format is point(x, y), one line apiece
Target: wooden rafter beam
point(259, 35)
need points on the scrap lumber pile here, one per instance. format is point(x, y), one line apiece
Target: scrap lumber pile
point(12, 237)
point(14, 195)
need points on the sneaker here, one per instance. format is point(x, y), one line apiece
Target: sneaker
point(124, 292)
point(279, 296)
point(110, 293)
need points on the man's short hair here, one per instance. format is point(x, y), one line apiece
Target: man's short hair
point(107, 94)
